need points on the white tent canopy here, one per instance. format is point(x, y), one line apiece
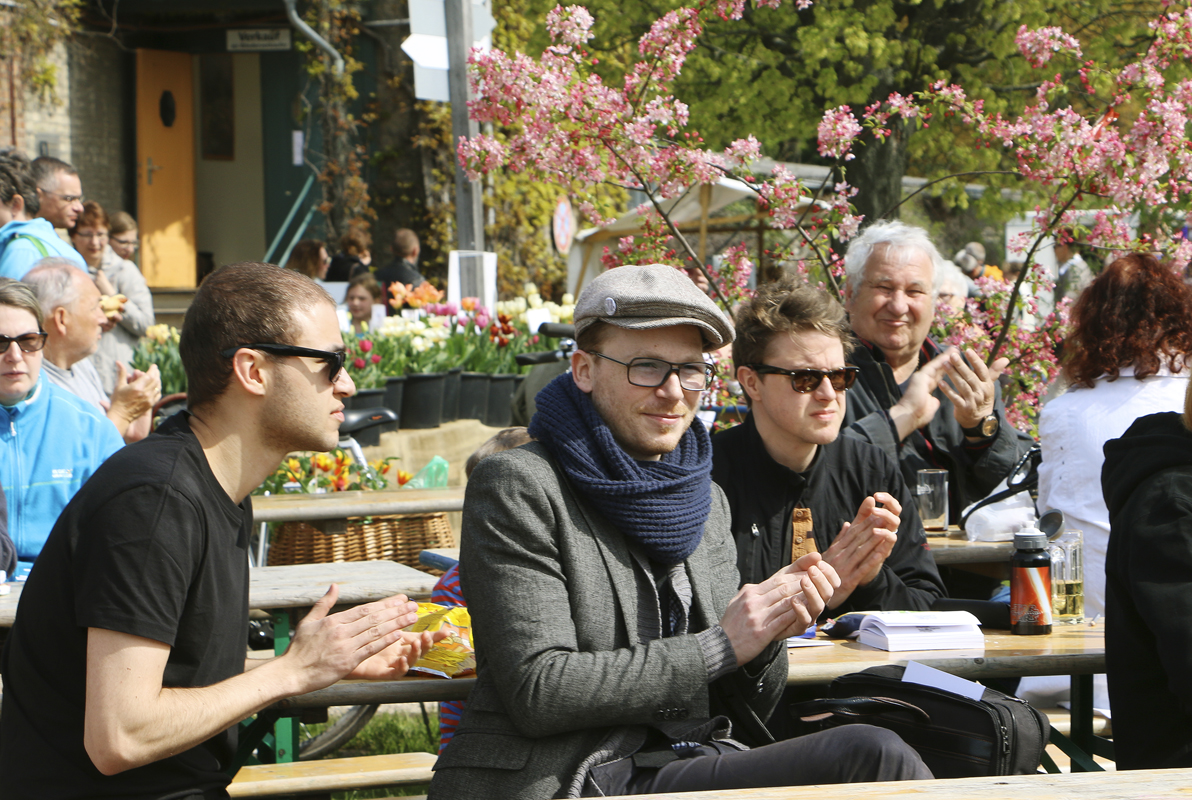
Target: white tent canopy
point(693, 205)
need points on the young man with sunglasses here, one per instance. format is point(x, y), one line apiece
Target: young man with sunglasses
point(125, 673)
point(51, 441)
point(616, 654)
point(794, 485)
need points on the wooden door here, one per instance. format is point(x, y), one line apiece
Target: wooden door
point(166, 168)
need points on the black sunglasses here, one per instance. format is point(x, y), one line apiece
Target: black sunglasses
point(332, 358)
point(805, 381)
point(28, 342)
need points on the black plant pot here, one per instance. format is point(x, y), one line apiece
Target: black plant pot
point(369, 398)
point(451, 395)
point(422, 403)
point(500, 401)
point(395, 390)
point(473, 395)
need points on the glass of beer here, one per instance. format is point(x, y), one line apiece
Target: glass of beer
point(1067, 578)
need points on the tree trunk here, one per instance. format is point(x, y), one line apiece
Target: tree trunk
point(396, 172)
point(877, 172)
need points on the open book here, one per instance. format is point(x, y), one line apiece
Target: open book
point(921, 630)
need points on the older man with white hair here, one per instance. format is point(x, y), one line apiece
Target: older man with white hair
point(927, 407)
point(74, 323)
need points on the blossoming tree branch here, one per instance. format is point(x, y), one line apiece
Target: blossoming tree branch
point(1123, 153)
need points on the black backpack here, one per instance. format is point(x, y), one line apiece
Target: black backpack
point(955, 736)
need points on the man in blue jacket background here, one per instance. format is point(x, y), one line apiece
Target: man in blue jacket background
point(26, 238)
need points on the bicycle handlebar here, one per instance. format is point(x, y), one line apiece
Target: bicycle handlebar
point(528, 359)
point(557, 330)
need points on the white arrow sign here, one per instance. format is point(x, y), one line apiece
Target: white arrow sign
point(427, 44)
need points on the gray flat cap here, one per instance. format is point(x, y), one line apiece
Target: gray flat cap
point(651, 296)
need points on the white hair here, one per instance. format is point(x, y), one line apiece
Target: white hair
point(898, 237)
point(53, 280)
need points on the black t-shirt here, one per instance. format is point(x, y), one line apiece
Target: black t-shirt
point(150, 546)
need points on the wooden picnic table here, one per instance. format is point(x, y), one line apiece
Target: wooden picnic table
point(1143, 783)
point(1074, 650)
point(342, 505)
point(1067, 650)
point(955, 549)
point(300, 585)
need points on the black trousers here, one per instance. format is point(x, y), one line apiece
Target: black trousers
point(849, 754)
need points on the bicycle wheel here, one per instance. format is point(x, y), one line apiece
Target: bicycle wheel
point(335, 735)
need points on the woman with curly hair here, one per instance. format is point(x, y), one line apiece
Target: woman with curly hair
point(1126, 356)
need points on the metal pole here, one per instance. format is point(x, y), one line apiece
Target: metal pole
point(309, 33)
point(469, 207)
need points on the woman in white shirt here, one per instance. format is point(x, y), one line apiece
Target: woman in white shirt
point(1125, 357)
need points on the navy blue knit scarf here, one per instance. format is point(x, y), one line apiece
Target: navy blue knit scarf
point(661, 505)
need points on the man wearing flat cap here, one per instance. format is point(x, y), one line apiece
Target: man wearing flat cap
point(616, 654)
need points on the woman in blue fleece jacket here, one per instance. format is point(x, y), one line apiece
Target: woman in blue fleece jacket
point(50, 440)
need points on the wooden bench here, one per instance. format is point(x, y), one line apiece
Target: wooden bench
point(333, 775)
point(1173, 783)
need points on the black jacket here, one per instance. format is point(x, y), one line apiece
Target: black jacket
point(762, 495)
point(1147, 482)
point(973, 470)
point(343, 268)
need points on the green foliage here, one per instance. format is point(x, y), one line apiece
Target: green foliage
point(29, 32)
point(160, 346)
point(340, 169)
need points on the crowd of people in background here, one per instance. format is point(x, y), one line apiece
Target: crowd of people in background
point(684, 559)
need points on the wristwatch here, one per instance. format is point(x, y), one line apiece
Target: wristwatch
point(985, 429)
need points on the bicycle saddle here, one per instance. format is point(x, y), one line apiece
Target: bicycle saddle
point(358, 419)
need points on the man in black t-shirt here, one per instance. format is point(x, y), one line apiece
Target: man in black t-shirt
point(124, 675)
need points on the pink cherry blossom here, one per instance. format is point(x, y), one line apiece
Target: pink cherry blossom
point(1041, 44)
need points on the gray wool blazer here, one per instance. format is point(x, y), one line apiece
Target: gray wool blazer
point(563, 682)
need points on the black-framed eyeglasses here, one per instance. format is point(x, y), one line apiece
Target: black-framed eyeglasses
point(332, 358)
point(131, 244)
point(805, 381)
point(652, 372)
point(28, 342)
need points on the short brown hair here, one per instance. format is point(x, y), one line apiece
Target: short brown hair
point(1137, 313)
point(15, 294)
point(122, 222)
point(369, 283)
point(592, 337)
point(785, 307)
point(93, 216)
point(404, 242)
point(355, 242)
point(304, 258)
point(243, 303)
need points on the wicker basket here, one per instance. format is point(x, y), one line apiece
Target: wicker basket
point(397, 538)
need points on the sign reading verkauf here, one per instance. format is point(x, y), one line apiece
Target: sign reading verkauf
point(257, 39)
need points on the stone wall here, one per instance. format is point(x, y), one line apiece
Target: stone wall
point(103, 122)
point(47, 121)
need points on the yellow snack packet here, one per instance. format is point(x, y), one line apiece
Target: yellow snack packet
point(454, 656)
